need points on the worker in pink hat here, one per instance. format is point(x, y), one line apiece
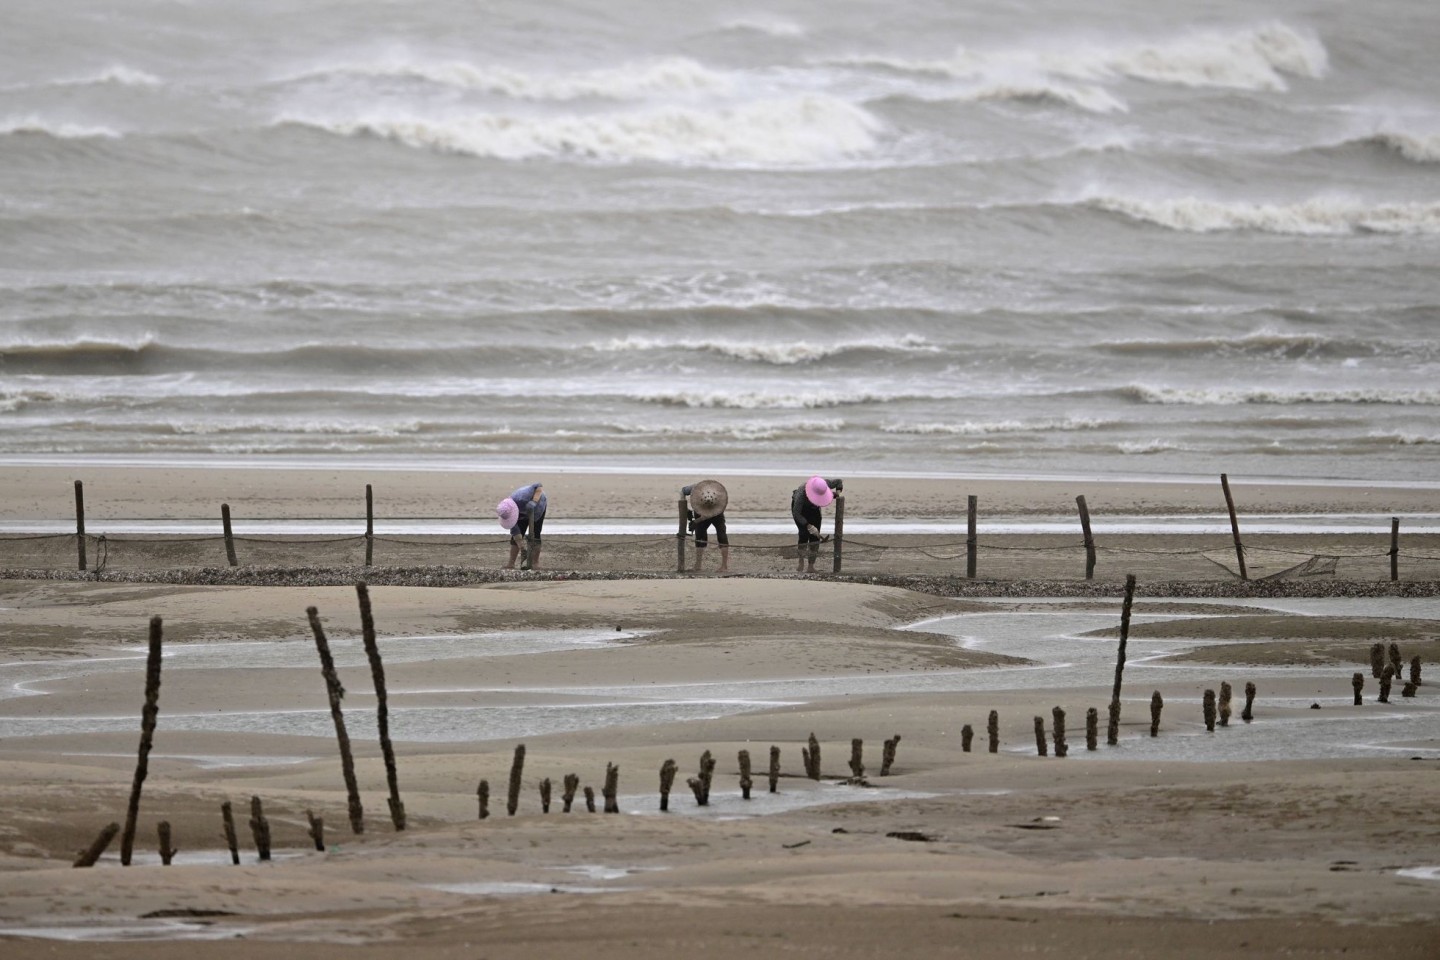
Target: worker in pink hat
point(805, 504)
point(514, 513)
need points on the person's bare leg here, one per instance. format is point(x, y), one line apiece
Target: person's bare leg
point(514, 552)
point(725, 559)
point(699, 557)
point(535, 556)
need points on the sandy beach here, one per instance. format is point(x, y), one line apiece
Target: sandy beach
point(1310, 829)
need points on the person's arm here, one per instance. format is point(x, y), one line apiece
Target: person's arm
point(797, 506)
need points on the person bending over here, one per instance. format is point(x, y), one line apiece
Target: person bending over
point(514, 514)
point(707, 508)
point(805, 504)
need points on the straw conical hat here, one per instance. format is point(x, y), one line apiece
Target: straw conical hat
point(708, 499)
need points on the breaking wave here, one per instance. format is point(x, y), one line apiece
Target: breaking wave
point(1316, 217)
point(1261, 395)
point(983, 429)
point(778, 354)
point(59, 129)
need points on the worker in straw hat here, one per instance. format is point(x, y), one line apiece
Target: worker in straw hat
point(805, 503)
point(707, 508)
point(514, 514)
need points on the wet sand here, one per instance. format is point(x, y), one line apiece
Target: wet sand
point(1146, 848)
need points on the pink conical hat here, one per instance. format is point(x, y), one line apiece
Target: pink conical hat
point(508, 511)
point(818, 492)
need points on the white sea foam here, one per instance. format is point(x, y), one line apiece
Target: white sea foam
point(777, 353)
point(1142, 447)
point(60, 129)
point(1321, 216)
point(1269, 395)
point(115, 75)
point(669, 76)
point(1417, 148)
point(970, 428)
point(770, 26)
point(797, 131)
point(1084, 97)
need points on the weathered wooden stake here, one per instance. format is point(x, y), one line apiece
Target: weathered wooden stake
point(612, 788)
point(232, 840)
point(1377, 659)
point(992, 728)
point(1358, 682)
point(1061, 747)
point(167, 852)
point(1394, 548)
point(967, 737)
point(857, 758)
point(229, 535)
point(1248, 713)
point(92, 853)
point(1395, 660)
point(80, 536)
point(317, 829)
point(972, 546)
point(1408, 690)
point(148, 716)
point(1224, 705)
point(1387, 676)
point(482, 794)
point(382, 707)
point(1234, 526)
point(517, 770)
point(667, 780)
point(369, 524)
point(1040, 745)
point(774, 769)
point(1092, 729)
point(1208, 708)
point(1089, 540)
point(572, 783)
point(259, 829)
point(1415, 670)
point(681, 535)
point(532, 539)
point(812, 758)
point(336, 692)
point(887, 755)
point(1157, 704)
point(590, 799)
point(1112, 734)
point(838, 537)
point(745, 782)
point(700, 785)
point(545, 795)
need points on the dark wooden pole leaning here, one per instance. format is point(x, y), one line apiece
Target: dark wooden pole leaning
point(532, 538)
point(369, 524)
point(1394, 549)
point(147, 736)
point(336, 692)
point(92, 853)
point(382, 708)
point(1234, 526)
point(970, 544)
point(681, 532)
point(232, 840)
point(1089, 540)
point(1113, 731)
point(80, 521)
point(229, 534)
point(839, 536)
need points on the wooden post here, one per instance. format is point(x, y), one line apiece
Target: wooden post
point(369, 524)
point(531, 538)
point(1207, 709)
point(745, 782)
point(1415, 670)
point(590, 799)
point(232, 841)
point(1377, 659)
point(1395, 659)
point(1157, 704)
point(1062, 748)
point(682, 533)
point(382, 707)
point(147, 735)
point(839, 535)
point(80, 529)
point(260, 829)
point(545, 788)
point(1040, 746)
point(1394, 549)
point(482, 794)
point(1112, 736)
point(992, 727)
point(612, 788)
point(967, 737)
point(667, 780)
point(335, 692)
point(971, 547)
point(1386, 677)
point(700, 785)
point(1224, 705)
point(775, 768)
point(812, 758)
point(92, 853)
point(1248, 713)
point(317, 829)
point(857, 759)
point(1092, 729)
point(229, 535)
point(517, 770)
point(167, 852)
point(1358, 683)
point(567, 798)
point(887, 755)
point(1234, 526)
point(1089, 540)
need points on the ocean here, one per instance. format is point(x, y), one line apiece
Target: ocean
point(1115, 238)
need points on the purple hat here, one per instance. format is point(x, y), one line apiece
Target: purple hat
point(818, 492)
point(509, 513)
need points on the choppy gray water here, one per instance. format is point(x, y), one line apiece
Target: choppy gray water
point(1121, 237)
